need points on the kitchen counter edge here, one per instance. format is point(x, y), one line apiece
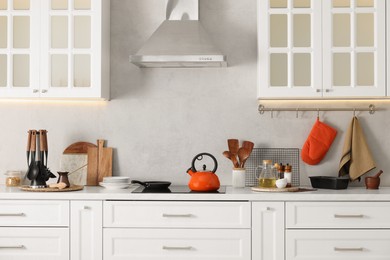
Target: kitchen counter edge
point(232, 194)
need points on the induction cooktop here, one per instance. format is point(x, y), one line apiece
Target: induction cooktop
point(177, 189)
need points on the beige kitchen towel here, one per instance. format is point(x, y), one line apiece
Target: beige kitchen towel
point(356, 159)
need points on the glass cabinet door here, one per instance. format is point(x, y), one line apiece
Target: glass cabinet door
point(289, 58)
point(19, 53)
point(354, 48)
point(73, 24)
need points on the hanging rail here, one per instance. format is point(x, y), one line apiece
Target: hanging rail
point(262, 109)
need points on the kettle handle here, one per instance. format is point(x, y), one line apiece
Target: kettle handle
point(199, 157)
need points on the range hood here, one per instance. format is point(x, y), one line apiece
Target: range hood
point(180, 41)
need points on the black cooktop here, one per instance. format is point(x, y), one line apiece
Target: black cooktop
point(176, 189)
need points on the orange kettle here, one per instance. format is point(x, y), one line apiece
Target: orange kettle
point(204, 180)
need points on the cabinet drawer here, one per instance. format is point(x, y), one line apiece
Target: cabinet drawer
point(338, 215)
point(34, 213)
point(337, 244)
point(177, 214)
point(34, 243)
point(179, 244)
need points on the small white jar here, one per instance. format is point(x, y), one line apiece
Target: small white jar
point(281, 183)
point(238, 177)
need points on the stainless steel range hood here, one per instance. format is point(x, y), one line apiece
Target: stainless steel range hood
point(180, 41)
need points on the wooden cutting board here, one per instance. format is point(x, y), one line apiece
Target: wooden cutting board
point(75, 156)
point(99, 162)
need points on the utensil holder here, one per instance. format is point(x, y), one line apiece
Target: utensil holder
point(238, 177)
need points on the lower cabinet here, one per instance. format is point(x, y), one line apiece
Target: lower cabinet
point(268, 231)
point(170, 244)
point(173, 230)
point(337, 230)
point(338, 244)
point(19, 243)
point(86, 227)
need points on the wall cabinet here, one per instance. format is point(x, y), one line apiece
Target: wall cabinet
point(321, 49)
point(54, 49)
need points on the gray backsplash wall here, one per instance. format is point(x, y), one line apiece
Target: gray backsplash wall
point(159, 119)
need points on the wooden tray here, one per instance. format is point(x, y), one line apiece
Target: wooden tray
point(290, 189)
point(71, 188)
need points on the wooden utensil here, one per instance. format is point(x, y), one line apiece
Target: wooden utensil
point(243, 155)
point(105, 161)
point(227, 154)
point(28, 151)
point(249, 147)
point(234, 145)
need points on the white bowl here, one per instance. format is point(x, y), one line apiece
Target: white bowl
point(114, 186)
point(281, 183)
point(116, 179)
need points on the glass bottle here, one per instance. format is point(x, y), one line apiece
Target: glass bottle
point(266, 175)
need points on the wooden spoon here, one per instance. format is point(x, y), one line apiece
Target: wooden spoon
point(243, 155)
point(234, 145)
point(248, 145)
point(229, 155)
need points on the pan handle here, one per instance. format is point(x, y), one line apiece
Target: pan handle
point(140, 182)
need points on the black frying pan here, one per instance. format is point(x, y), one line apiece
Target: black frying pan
point(153, 184)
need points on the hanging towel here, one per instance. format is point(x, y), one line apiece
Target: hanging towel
point(356, 158)
point(318, 143)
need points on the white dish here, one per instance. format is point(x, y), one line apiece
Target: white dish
point(114, 186)
point(117, 179)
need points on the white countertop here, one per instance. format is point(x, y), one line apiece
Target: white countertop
point(243, 194)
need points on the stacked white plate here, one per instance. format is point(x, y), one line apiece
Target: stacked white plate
point(115, 183)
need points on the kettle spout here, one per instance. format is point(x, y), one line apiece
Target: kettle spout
point(190, 172)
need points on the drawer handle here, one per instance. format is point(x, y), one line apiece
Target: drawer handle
point(12, 247)
point(12, 215)
point(345, 249)
point(177, 247)
point(348, 216)
point(176, 215)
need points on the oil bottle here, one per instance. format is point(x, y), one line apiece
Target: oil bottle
point(266, 175)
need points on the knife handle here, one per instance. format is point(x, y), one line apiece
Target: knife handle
point(29, 140)
point(33, 140)
point(41, 143)
point(45, 140)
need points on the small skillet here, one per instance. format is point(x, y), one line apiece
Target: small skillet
point(153, 184)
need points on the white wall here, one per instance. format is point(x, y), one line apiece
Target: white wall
point(159, 119)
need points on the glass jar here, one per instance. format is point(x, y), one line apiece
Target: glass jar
point(13, 178)
point(266, 174)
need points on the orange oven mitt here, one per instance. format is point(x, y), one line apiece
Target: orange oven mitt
point(318, 143)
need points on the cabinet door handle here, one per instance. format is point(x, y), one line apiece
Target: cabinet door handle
point(318, 90)
point(328, 90)
point(12, 214)
point(345, 249)
point(176, 215)
point(12, 247)
point(177, 247)
point(35, 90)
point(44, 91)
point(348, 216)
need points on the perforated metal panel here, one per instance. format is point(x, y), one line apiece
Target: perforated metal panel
point(277, 155)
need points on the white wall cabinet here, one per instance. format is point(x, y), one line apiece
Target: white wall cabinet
point(321, 49)
point(54, 49)
point(267, 231)
point(86, 230)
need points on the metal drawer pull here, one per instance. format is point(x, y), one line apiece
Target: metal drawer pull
point(177, 247)
point(176, 215)
point(348, 216)
point(12, 215)
point(354, 249)
point(12, 247)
